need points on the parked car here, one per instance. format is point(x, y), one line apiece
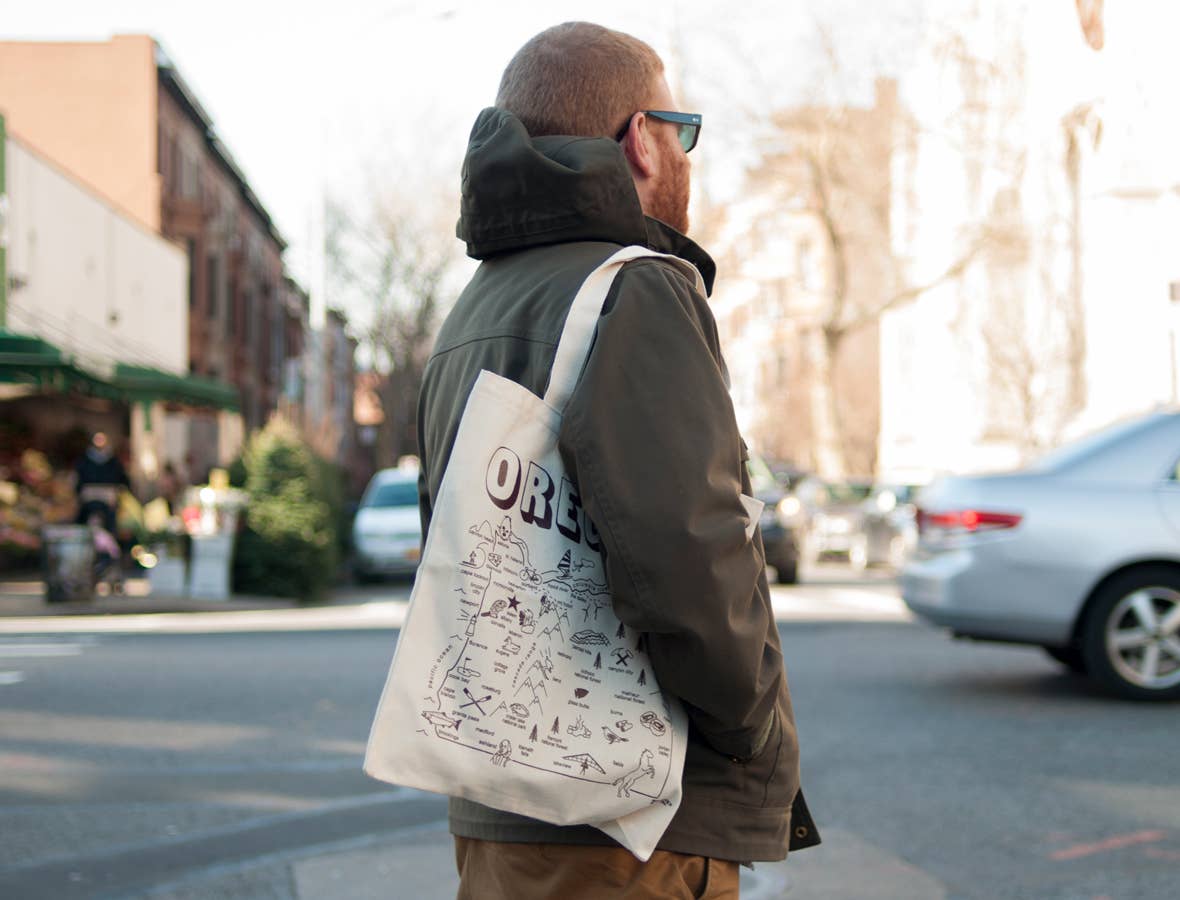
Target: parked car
point(779, 523)
point(889, 524)
point(387, 531)
point(1079, 553)
point(835, 524)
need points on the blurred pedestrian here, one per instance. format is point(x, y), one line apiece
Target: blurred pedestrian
point(168, 486)
point(586, 152)
point(100, 476)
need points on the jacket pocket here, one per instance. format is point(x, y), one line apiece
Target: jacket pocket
point(770, 776)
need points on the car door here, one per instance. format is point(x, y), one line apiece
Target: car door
point(1168, 496)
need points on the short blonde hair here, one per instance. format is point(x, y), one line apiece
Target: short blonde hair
point(579, 78)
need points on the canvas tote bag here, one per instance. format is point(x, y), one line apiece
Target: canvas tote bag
point(513, 683)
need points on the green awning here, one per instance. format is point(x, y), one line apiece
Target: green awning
point(147, 385)
point(26, 359)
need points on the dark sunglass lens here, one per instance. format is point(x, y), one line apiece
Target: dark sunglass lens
point(688, 136)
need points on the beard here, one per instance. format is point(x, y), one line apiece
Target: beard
point(669, 202)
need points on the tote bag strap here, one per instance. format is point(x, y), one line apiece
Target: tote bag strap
point(582, 319)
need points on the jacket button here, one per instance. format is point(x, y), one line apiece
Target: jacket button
point(801, 831)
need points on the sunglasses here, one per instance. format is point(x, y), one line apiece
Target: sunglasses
point(688, 125)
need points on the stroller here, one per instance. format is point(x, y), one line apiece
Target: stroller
point(107, 573)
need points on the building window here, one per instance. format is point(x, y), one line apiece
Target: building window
point(189, 174)
point(248, 317)
point(173, 179)
point(212, 284)
point(191, 247)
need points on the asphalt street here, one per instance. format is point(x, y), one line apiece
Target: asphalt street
point(170, 764)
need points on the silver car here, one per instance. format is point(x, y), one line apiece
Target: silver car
point(387, 532)
point(1079, 553)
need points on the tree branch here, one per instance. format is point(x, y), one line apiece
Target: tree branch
point(909, 294)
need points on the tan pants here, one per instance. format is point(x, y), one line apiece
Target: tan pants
point(490, 870)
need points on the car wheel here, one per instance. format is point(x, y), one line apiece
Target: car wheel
point(360, 576)
point(1131, 636)
point(1070, 657)
point(787, 573)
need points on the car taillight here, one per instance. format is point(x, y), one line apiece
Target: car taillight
point(969, 521)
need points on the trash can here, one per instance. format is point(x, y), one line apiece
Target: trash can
point(67, 553)
point(209, 568)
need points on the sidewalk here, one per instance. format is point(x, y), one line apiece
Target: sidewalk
point(25, 596)
point(420, 864)
point(23, 609)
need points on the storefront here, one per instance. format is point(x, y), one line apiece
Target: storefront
point(50, 405)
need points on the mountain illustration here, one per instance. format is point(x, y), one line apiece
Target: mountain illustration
point(536, 689)
point(556, 631)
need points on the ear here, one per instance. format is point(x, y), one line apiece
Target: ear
point(637, 147)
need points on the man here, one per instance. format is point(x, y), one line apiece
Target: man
point(583, 153)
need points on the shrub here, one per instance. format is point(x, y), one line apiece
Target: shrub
point(289, 546)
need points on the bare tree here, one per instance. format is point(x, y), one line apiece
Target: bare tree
point(396, 258)
point(1081, 128)
point(827, 174)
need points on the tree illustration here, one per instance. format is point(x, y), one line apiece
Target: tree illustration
point(533, 735)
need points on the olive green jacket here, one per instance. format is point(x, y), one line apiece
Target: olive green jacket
point(650, 438)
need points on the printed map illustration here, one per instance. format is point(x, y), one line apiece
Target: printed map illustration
point(539, 672)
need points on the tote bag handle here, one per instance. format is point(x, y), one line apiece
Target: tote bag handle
point(582, 319)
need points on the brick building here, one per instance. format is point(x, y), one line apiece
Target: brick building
point(119, 116)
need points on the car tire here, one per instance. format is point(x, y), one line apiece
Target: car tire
point(360, 576)
point(1070, 657)
point(787, 573)
point(1130, 637)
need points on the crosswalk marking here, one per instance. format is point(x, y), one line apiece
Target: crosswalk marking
point(28, 648)
point(823, 602)
point(43, 650)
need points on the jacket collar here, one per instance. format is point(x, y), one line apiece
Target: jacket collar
point(520, 192)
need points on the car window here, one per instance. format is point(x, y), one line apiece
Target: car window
point(905, 493)
point(848, 493)
point(392, 493)
point(1081, 449)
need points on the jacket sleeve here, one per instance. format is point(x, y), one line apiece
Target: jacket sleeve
point(651, 440)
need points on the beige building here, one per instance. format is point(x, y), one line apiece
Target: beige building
point(105, 297)
point(88, 277)
point(92, 108)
